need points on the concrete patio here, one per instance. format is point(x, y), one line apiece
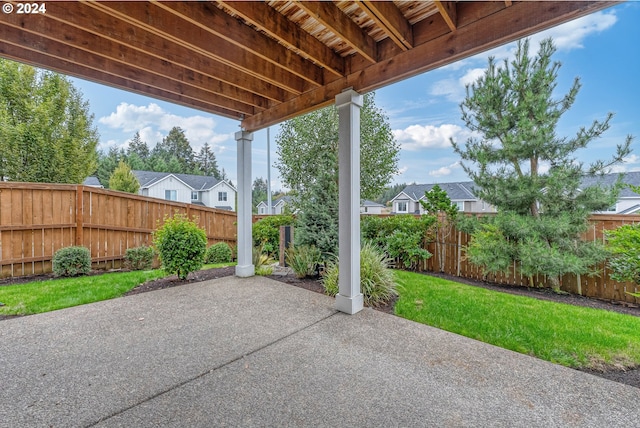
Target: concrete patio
point(256, 352)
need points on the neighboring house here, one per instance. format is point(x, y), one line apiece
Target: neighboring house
point(194, 189)
point(278, 205)
point(460, 193)
point(92, 181)
point(370, 207)
point(628, 201)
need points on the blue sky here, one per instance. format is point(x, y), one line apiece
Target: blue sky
point(603, 49)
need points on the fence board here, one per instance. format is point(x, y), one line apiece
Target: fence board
point(37, 219)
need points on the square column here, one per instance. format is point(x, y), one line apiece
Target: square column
point(349, 298)
point(245, 267)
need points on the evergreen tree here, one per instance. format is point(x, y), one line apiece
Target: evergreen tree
point(206, 162)
point(46, 130)
point(123, 179)
point(138, 147)
point(107, 163)
point(541, 212)
point(176, 145)
point(308, 164)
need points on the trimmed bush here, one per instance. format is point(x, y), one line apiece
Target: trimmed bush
point(624, 245)
point(377, 281)
point(72, 261)
point(139, 258)
point(303, 260)
point(266, 232)
point(181, 245)
point(218, 253)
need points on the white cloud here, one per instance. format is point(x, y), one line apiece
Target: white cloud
point(418, 137)
point(571, 35)
point(445, 170)
point(153, 123)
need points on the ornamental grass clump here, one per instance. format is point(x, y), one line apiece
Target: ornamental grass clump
point(181, 245)
point(303, 260)
point(377, 281)
point(71, 261)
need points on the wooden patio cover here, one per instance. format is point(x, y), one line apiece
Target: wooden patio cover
point(265, 62)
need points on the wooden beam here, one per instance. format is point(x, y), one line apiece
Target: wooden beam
point(164, 72)
point(448, 11)
point(267, 19)
point(218, 23)
point(508, 24)
point(330, 16)
point(51, 52)
point(25, 54)
point(238, 85)
point(158, 21)
point(389, 18)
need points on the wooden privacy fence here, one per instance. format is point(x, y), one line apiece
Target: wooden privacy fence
point(36, 220)
point(600, 286)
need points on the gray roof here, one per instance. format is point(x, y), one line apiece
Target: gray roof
point(631, 210)
point(464, 191)
point(458, 191)
point(610, 179)
point(196, 182)
point(285, 199)
point(92, 181)
point(368, 203)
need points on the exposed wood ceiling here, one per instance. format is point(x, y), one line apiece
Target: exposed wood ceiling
point(265, 62)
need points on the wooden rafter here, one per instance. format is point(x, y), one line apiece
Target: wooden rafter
point(266, 19)
point(328, 14)
point(390, 19)
point(449, 13)
point(265, 62)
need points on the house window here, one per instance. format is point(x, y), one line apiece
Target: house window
point(261, 210)
point(402, 207)
point(460, 205)
point(222, 196)
point(194, 196)
point(171, 195)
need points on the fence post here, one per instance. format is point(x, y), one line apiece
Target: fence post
point(79, 215)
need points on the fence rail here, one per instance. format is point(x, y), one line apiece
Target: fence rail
point(36, 220)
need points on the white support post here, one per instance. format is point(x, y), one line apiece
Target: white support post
point(349, 298)
point(245, 267)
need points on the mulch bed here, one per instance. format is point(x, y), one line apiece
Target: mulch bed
point(629, 377)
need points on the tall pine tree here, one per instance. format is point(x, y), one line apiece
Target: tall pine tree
point(528, 173)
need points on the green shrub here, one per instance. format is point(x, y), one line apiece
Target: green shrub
point(218, 253)
point(402, 237)
point(377, 281)
point(303, 260)
point(266, 232)
point(181, 245)
point(140, 258)
point(624, 245)
point(72, 261)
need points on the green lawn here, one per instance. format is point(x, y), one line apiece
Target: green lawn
point(564, 334)
point(44, 296)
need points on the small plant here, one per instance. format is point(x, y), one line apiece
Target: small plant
point(261, 261)
point(72, 261)
point(139, 258)
point(304, 260)
point(181, 245)
point(218, 253)
point(377, 281)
